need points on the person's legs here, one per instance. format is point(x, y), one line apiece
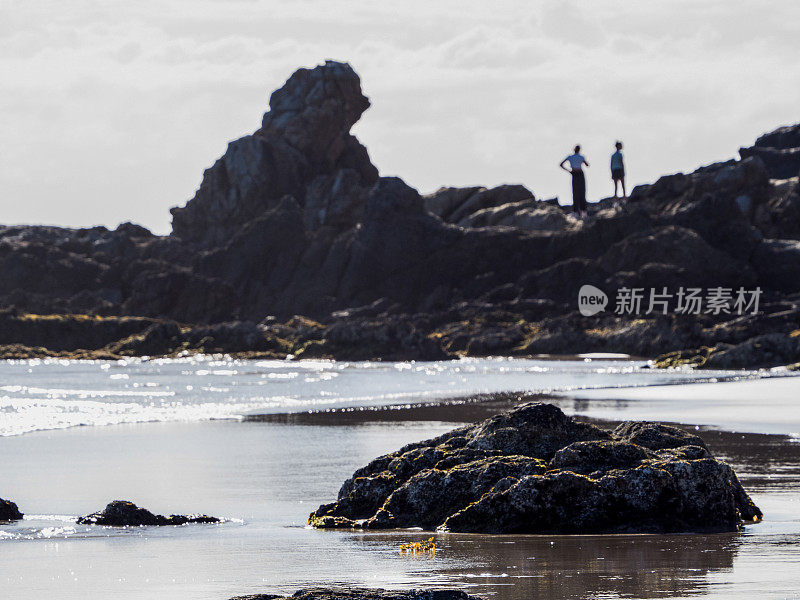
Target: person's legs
point(624, 193)
point(616, 185)
point(576, 192)
point(579, 192)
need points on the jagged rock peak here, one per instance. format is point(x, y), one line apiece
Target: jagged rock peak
point(306, 89)
point(316, 108)
point(780, 151)
point(303, 149)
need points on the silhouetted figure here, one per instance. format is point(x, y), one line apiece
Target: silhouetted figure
point(576, 162)
point(618, 172)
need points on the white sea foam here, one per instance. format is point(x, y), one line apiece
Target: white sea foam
point(45, 394)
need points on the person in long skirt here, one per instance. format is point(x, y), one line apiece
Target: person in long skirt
point(576, 162)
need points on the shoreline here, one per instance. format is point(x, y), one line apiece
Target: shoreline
point(199, 389)
point(216, 387)
point(270, 475)
point(504, 328)
point(475, 407)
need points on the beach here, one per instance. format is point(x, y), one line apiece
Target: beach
point(302, 301)
point(264, 476)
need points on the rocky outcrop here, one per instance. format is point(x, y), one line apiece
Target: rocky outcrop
point(303, 150)
point(502, 206)
point(59, 332)
point(25, 335)
point(355, 593)
point(535, 470)
point(294, 219)
point(460, 205)
point(760, 351)
point(9, 511)
point(780, 151)
point(779, 216)
point(777, 263)
point(121, 513)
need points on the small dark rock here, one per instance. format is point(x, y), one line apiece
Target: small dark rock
point(121, 513)
point(9, 511)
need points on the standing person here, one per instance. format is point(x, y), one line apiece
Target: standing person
point(618, 172)
point(576, 162)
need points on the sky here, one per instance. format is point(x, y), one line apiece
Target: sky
point(110, 111)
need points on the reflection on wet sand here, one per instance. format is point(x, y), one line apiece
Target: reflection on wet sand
point(763, 462)
point(554, 567)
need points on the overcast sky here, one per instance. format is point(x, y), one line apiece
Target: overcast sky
point(110, 111)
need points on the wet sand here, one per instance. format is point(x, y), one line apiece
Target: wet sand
point(268, 475)
point(757, 405)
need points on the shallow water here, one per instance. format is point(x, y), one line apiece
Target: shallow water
point(265, 477)
point(54, 394)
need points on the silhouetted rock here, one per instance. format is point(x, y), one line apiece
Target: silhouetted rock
point(9, 511)
point(535, 470)
point(121, 513)
point(777, 263)
point(779, 216)
point(679, 247)
point(766, 350)
point(303, 149)
point(446, 199)
point(294, 220)
point(363, 339)
point(780, 151)
point(526, 214)
point(67, 332)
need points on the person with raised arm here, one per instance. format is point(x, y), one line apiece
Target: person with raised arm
point(576, 162)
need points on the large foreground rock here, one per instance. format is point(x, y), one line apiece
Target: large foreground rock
point(121, 513)
point(9, 511)
point(353, 593)
point(535, 470)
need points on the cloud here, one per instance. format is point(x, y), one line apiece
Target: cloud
point(111, 111)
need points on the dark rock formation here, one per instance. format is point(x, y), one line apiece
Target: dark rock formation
point(535, 470)
point(777, 263)
point(780, 151)
point(762, 351)
point(121, 513)
point(9, 511)
point(24, 335)
point(355, 593)
point(295, 220)
point(303, 150)
point(478, 207)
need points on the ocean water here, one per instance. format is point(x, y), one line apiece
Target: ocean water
point(173, 449)
point(38, 395)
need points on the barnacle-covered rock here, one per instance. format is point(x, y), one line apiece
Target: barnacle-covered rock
point(536, 470)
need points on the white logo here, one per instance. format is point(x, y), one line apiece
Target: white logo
point(591, 300)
